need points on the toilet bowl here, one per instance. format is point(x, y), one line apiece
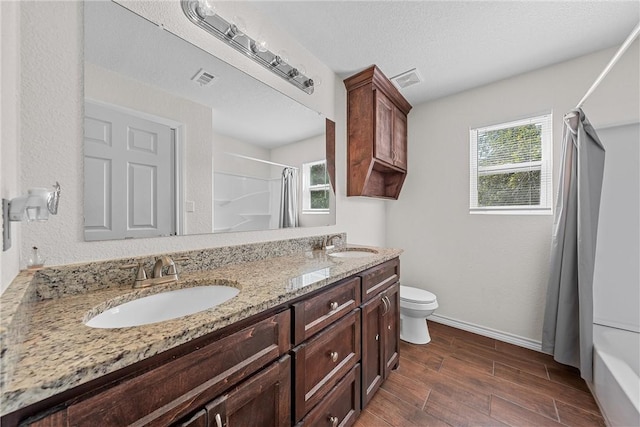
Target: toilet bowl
point(415, 305)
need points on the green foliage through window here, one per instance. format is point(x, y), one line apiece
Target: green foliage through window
point(316, 187)
point(510, 167)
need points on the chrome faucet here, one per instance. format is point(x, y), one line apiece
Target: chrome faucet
point(164, 271)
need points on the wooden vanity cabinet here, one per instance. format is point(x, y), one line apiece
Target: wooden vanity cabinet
point(377, 135)
point(346, 339)
point(162, 394)
point(380, 326)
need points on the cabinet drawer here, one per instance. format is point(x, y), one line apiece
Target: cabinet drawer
point(168, 392)
point(321, 362)
point(316, 313)
point(341, 407)
point(378, 278)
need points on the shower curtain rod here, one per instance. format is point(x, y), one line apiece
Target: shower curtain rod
point(260, 160)
point(611, 63)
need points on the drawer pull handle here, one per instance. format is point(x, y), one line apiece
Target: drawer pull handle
point(218, 420)
point(333, 421)
point(334, 356)
point(377, 337)
point(334, 305)
point(389, 327)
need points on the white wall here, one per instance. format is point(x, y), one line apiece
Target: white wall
point(50, 149)
point(616, 276)
point(491, 270)
point(9, 129)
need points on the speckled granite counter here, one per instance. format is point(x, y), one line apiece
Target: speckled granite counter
point(46, 348)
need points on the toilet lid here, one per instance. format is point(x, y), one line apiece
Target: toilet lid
point(407, 293)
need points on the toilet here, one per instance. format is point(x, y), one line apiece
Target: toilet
point(415, 305)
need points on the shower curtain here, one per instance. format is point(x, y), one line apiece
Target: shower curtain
point(568, 319)
point(289, 198)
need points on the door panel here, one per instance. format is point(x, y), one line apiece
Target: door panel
point(372, 364)
point(123, 151)
point(392, 329)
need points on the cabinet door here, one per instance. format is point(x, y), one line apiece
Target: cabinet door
point(372, 363)
point(263, 400)
point(399, 147)
point(383, 146)
point(391, 341)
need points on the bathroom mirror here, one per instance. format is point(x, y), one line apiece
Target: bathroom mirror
point(178, 142)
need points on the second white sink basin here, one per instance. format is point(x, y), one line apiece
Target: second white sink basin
point(163, 306)
point(353, 253)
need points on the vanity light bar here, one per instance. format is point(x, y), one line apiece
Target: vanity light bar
point(230, 34)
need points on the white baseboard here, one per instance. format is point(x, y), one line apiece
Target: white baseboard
point(488, 332)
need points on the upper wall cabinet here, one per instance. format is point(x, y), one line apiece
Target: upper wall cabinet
point(377, 144)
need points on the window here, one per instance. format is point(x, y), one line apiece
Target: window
point(511, 167)
point(315, 187)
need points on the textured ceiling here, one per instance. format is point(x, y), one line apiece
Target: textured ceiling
point(455, 45)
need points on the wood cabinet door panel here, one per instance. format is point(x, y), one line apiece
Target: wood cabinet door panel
point(322, 361)
point(315, 313)
point(384, 112)
point(391, 323)
point(372, 363)
point(263, 400)
point(168, 392)
point(399, 139)
point(377, 279)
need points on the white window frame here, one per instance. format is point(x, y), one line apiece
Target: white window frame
point(545, 166)
point(307, 188)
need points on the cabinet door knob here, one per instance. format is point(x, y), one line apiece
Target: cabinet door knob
point(334, 356)
point(377, 337)
point(218, 420)
point(389, 327)
point(333, 305)
point(333, 421)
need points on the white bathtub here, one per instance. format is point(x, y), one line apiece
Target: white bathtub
point(616, 375)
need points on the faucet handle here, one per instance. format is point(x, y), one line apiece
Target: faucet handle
point(141, 274)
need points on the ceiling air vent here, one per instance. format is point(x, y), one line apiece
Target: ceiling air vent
point(203, 78)
point(406, 79)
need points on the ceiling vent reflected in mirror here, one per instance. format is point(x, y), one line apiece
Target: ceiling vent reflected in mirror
point(406, 79)
point(203, 78)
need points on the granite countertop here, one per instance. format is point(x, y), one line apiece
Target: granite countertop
point(55, 351)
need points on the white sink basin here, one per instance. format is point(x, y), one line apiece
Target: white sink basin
point(163, 306)
point(353, 253)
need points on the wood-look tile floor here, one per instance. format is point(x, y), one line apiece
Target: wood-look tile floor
point(464, 379)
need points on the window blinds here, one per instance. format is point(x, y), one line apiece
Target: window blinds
point(510, 167)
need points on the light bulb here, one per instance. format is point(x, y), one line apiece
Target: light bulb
point(205, 8)
point(284, 55)
point(241, 25)
point(260, 45)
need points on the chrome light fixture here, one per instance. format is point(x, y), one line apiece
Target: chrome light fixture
point(36, 205)
point(203, 14)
